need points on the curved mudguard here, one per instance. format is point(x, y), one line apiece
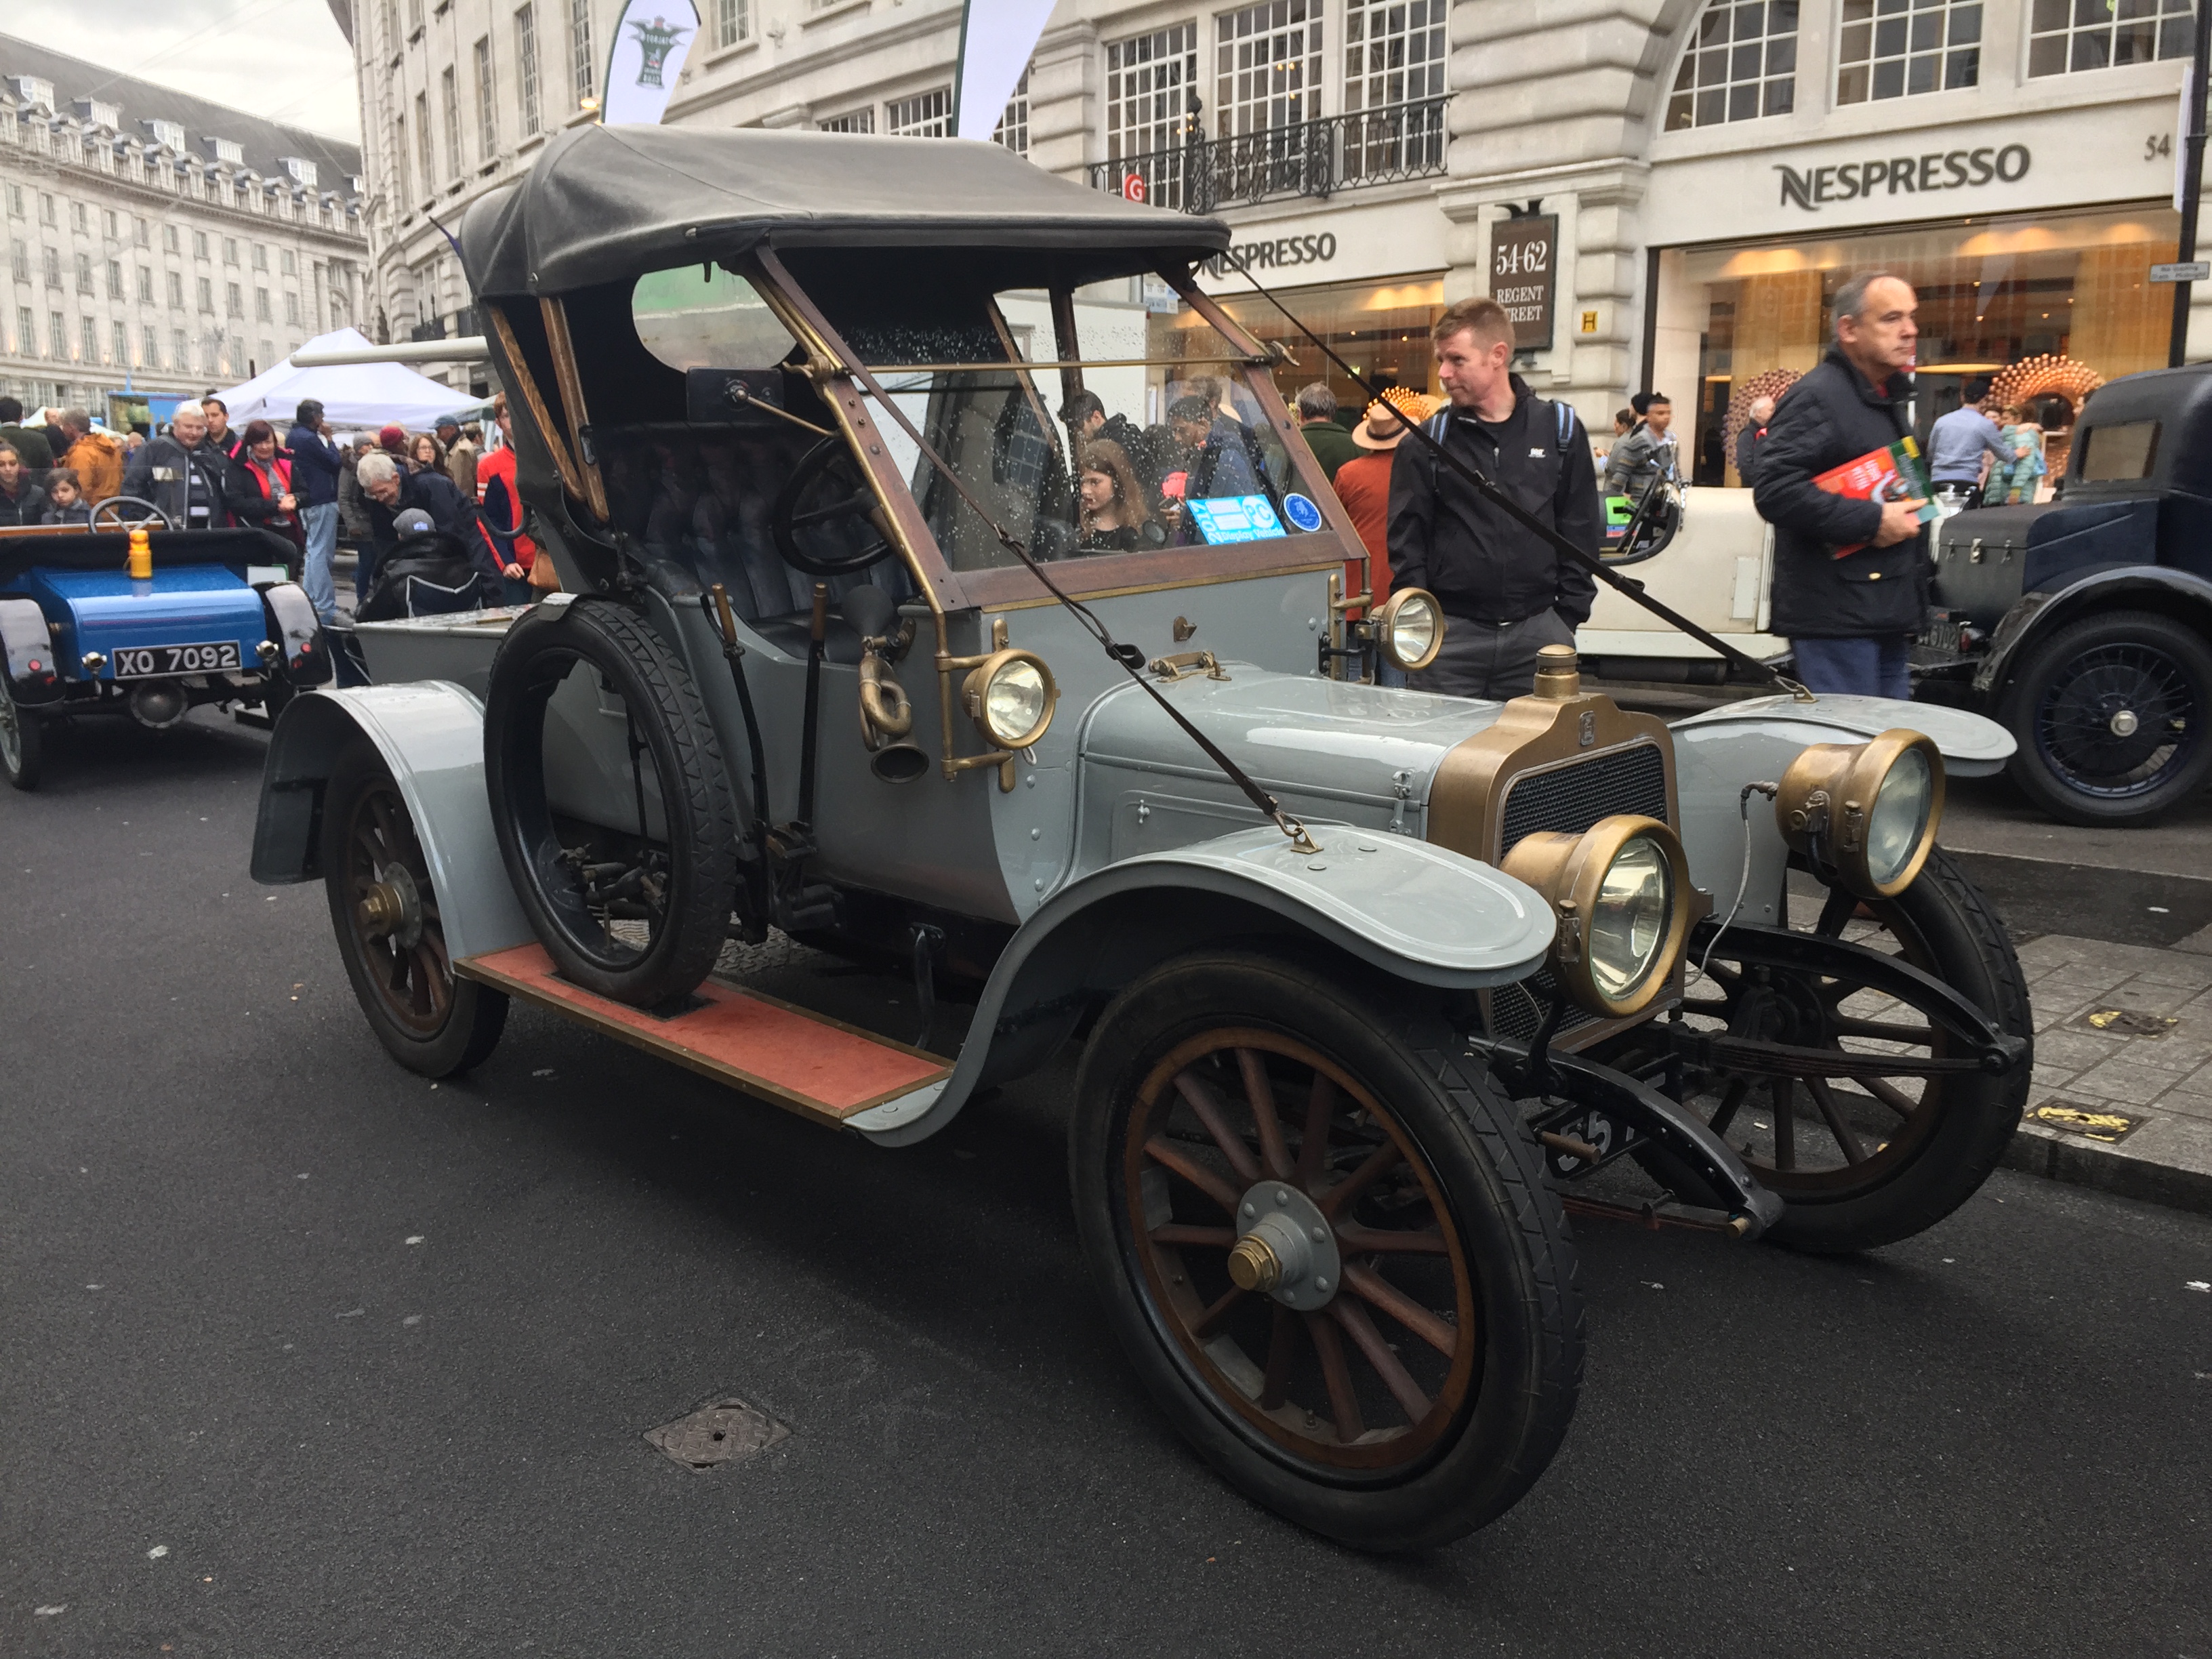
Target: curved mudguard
point(2095, 587)
point(430, 734)
point(28, 650)
point(1422, 914)
point(1717, 752)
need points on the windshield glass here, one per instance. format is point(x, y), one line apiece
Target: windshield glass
point(1104, 443)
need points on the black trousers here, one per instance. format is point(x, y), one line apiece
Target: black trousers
point(1479, 660)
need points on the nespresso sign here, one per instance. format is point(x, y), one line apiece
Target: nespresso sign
point(1813, 188)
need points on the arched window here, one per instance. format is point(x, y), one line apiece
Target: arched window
point(1741, 64)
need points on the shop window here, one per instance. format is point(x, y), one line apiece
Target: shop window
point(1266, 67)
point(1381, 329)
point(2067, 35)
point(2038, 309)
point(1740, 64)
point(1153, 106)
point(1894, 48)
point(926, 115)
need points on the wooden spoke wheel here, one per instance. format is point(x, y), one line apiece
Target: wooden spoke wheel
point(1337, 1270)
point(1874, 1140)
point(384, 906)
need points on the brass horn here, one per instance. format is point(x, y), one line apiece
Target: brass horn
point(887, 719)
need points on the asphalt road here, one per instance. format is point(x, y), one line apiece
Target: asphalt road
point(305, 1356)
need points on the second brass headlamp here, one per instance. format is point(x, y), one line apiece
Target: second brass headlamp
point(1868, 811)
point(1616, 892)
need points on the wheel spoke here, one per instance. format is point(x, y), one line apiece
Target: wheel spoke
point(1198, 1095)
point(1383, 1240)
point(1378, 1164)
point(1260, 1095)
point(1213, 1317)
point(1889, 1095)
point(1738, 1087)
point(1212, 1238)
point(1835, 912)
point(1824, 1098)
point(1313, 1149)
point(1373, 1287)
point(1343, 1403)
point(1369, 1341)
point(1282, 1341)
point(1164, 1152)
point(1784, 1091)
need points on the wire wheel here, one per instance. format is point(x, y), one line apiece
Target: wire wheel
point(1238, 1125)
point(392, 912)
point(22, 746)
point(2117, 720)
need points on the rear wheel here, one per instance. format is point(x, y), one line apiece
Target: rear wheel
point(609, 797)
point(1325, 1244)
point(2110, 715)
point(22, 742)
point(385, 910)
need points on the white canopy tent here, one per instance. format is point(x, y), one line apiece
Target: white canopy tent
point(367, 395)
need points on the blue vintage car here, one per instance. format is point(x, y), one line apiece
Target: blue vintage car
point(209, 620)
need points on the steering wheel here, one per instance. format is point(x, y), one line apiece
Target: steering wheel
point(826, 488)
point(1653, 526)
point(151, 518)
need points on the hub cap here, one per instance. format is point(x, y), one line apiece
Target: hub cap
point(2116, 720)
point(1286, 1248)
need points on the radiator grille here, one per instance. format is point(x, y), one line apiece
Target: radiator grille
point(1573, 798)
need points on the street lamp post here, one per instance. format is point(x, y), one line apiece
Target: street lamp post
point(2192, 179)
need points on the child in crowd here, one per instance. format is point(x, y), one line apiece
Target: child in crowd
point(64, 499)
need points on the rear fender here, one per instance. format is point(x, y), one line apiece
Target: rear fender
point(2102, 587)
point(33, 676)
point(1424, 915)
point(431, 735)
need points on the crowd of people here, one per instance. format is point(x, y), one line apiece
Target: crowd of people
point(312, 487)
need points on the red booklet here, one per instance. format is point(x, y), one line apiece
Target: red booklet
point(1891, 473)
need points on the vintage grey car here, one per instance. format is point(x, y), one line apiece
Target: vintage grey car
point(869, 643)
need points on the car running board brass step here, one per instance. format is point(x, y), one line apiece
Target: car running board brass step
point(805, 1062)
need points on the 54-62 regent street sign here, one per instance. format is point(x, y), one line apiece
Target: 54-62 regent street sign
point(1922, 174)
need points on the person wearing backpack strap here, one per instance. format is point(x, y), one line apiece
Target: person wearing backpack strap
point(1506, 593)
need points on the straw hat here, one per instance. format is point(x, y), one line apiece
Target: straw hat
point(1403, 401)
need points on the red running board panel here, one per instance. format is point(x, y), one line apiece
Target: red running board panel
point(814, 1066)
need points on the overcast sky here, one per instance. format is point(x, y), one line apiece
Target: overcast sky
point(283, 60)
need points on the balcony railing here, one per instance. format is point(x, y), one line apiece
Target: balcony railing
point(1314, 158)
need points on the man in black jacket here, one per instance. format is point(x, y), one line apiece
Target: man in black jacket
point(180, 474)
point(1505, 592)
point(390, 492)
point(1849, 617)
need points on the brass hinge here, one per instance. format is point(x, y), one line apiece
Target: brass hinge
point(1188, 663)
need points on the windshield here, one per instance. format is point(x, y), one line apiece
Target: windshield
point(1110, 437)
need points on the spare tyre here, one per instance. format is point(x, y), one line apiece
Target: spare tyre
point(612, 805)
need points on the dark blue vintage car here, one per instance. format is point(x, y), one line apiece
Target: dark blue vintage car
point(2085, 624)
point(210, 620)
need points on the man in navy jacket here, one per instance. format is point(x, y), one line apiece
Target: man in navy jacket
point(315, 468)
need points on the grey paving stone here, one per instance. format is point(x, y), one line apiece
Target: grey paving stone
point(2075, 1051)
point(2123, 1082)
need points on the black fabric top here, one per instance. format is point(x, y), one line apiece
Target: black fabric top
point(604, 203)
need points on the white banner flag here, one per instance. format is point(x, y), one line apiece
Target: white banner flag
point(996, 39)
point(650, 41)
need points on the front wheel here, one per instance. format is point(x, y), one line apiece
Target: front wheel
point(1322, 1237)
point(385, 910)
point(2110, 714)
point(22, 742)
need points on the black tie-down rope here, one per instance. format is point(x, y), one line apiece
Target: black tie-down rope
point(1489, 490)
point(1128, 656)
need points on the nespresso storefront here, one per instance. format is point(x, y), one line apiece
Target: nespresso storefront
point(2038, 306)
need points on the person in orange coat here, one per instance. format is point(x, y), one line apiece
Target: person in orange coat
point(97, 457)
point(1363, 485)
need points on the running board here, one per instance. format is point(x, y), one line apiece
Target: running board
point(808, 1063)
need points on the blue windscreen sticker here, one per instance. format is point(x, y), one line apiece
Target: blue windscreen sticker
point(1302, 512)
point(1235, 518)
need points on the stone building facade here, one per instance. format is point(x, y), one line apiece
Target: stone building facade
point(158, 244)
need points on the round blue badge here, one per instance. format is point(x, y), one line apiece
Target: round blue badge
point(1302, 512)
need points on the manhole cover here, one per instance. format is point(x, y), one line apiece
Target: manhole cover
point(2091, 1123)
point(2126, 1022)
point(723, 1431)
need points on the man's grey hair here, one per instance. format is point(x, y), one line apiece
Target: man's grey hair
point(1850, 298)
point(376, 469)
point(1316, 402)
point(76, 419)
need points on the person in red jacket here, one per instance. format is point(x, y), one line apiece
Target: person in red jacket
point(1363, 485)
point(498, 518)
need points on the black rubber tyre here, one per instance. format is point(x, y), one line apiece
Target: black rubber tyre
point(384, 909)
point(22, 744)
point(693, 876)
point(2148, 674)
point(1941, 1145)
point(1386, 1078)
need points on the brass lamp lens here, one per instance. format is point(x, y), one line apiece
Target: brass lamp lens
point(1009, 697)
point(1410, 628)
point(1900, 818)
point(1628, 920)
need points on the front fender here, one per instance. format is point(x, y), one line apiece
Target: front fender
point(1422, 914)
point(2096, 587)
point(430, 734)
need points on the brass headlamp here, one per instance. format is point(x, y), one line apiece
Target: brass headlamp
point(1617, 891)
point(1408, 628)
point(1867, 811)
point(1010, 696)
